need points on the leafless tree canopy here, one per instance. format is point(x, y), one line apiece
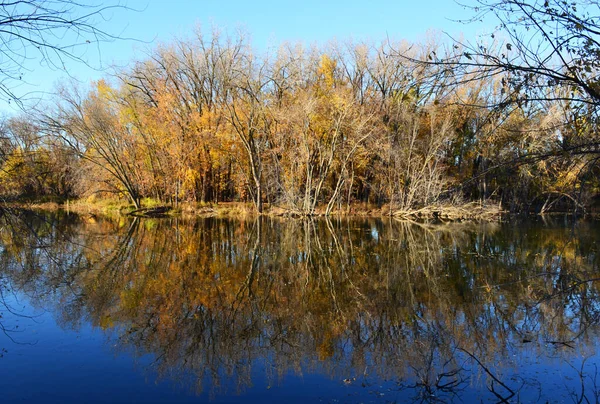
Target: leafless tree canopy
point(50, 33)
point(543, 49)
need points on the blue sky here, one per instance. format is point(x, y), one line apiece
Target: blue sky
point(309, 21)
point(268, 22)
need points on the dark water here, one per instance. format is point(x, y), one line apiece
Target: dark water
point(98, 310)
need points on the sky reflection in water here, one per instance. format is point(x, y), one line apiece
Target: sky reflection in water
point(333, 311)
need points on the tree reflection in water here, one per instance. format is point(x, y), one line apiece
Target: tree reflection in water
point(451, 311)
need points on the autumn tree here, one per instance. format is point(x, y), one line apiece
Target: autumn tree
point(91, 125)
point(248, 114)
point(34, 166)
point(541, 51)
point(206, 119)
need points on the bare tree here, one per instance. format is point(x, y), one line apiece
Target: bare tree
point(537, 49)
point(51, 32)
point(544, 44)
point(89, 125)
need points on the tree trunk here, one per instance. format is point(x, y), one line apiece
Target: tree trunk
point(259, 202)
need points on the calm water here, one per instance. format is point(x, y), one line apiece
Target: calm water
point(167, 310)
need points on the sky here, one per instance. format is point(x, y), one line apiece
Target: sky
point(268, 22)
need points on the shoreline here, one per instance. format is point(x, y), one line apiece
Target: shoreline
point(471, 211)
point(443, 213)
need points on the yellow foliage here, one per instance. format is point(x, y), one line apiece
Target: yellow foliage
point(326, 71)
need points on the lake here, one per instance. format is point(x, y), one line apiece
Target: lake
point(292, 310)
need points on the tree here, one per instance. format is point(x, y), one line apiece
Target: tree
point(34, 166)
point(537, 48)
point(51, 32)
point(542, 59)
point(92, 126)
point(248, 113)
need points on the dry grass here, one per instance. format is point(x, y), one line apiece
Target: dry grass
point(109, 207)
point(48, 206)
point(468, 211)
point(223, 209)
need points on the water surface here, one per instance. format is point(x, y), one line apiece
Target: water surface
point(215, 310)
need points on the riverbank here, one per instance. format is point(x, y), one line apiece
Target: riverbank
point(153, 208)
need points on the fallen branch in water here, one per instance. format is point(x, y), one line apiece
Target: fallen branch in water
point(159, 211)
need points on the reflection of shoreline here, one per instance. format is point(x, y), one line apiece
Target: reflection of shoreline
point(408, 302)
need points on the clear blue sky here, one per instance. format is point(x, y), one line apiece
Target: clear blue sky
point(268, 22)
point(309, 21)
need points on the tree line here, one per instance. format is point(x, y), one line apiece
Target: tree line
point(319, 129)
